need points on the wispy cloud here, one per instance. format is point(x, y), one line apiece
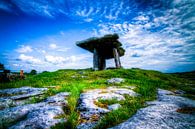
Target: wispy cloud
point(153, 39)
point(48, 53)
point(82, 10)
point(24, 49)
point(55, 59)
point(156, 34)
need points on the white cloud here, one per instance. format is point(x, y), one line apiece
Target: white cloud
point(57, 48)
point(77, 58)
point(110, 17)
point(29, 59)
point(63, 49)
point(85, 12)
point(55, 59)
point(43, 8)
point(24, 49)
point(65, 55)
point(142, 18)
point(88, 19)
point(152, 50)
point(53, 46)
point(154, 36)
point(58, 60)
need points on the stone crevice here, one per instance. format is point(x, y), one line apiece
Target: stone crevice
point(88, 109)
point(162, 114)
point(38, 115)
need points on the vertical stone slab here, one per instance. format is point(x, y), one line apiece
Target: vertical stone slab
point(95, 60)
point(119, 61)
point(116, 58)
point(102, 63)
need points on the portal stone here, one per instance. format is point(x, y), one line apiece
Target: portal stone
point(106, 47)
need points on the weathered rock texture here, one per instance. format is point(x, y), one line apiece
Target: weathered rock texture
point(32, 116)
point(115, 80)
point(168, 111)
point(90, 113)
point(19, 96)
point(162, 114)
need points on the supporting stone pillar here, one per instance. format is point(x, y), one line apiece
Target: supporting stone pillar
point(119, 61)
point(99, 62)
point(95, 59)
point(116, 58)
point(102, 63)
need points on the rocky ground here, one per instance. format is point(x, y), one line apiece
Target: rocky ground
point(169, 111)
point(90, 113)
point(15, 114)
point(19, 110)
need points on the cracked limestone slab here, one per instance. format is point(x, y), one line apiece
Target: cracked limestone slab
point(38, 115)
point(17, 93)
point(162, 114)
point(19, 96)
point(90, 112)
point(123, 91)
point(115, 80)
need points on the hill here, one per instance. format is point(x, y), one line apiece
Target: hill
point(76, 82)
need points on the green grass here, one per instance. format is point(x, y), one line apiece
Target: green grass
point(146, 82)
point(108, 102)
point(129, 107)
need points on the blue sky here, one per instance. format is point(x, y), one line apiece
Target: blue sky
point(41, 34)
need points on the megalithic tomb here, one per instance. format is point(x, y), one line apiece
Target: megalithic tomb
point(106, 47)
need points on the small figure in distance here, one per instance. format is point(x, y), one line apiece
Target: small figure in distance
point(22, 74)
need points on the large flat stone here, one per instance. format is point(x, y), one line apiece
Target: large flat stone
point(37, 116)
point(25, 91)
point(19, 96)
point(40, 118)
point(162, 114)
point(90, 112)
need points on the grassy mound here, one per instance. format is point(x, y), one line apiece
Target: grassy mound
point(77, 81)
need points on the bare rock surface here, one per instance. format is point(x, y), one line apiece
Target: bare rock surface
point(165, 112)
point(37, 116)
point(162, 114)
point(19, 96)
point(123, 91)
point(40, 117)
point(114, 106)
point(22, 92)
point(90, 113)
point(58, 99)
point(129, 87)
point(115, 80)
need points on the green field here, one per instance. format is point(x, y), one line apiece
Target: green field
point(77, 81)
